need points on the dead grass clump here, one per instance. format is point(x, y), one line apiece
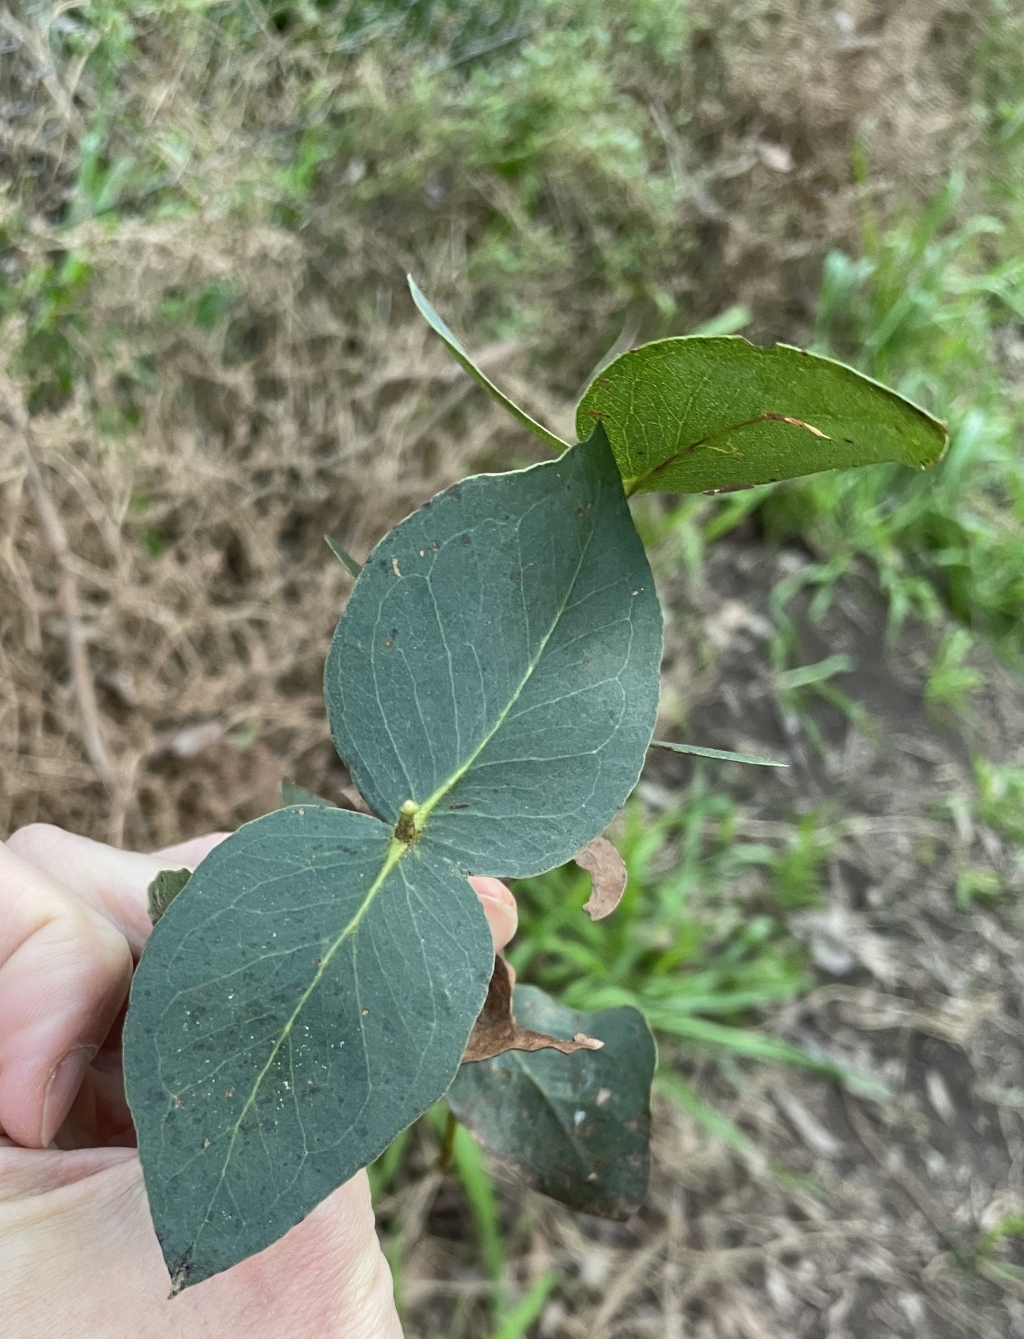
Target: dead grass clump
point(221, 364)
point(207, 595)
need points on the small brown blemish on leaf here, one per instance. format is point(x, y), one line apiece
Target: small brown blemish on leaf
point(517, 577)
point(206, 1143)
point(175, 1101)
point(497, 1031)
point(366, 1013)
point(607, 872)
point(796, 423)
point(230, 1092)
point(395, 568)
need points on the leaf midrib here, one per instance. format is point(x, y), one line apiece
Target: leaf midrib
point(396, 850)
point(427, 807)
point(395, 853)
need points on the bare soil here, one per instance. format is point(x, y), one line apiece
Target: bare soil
point(188, 566)
point(863, 1219)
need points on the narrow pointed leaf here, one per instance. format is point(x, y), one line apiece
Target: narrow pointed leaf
point(462, 357)
point(343, 556)
point(720, 754)
point(577, 1127)
point(308, 997)
point(498, 665)
point(699, 414)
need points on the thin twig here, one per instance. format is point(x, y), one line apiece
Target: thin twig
point(67, 596)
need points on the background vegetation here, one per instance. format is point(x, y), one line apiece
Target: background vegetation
point(207, 214)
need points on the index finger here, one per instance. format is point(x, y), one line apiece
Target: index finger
point(64, 976)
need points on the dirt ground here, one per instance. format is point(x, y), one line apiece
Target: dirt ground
point(859, 1218)
point(181, 568)
point(863, 1219)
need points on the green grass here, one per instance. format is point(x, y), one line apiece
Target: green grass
point(933, 309)
point(563, 215)
point(694, 945)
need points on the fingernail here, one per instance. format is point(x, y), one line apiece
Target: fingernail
point(62, 1089)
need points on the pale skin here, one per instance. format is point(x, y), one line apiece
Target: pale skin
point(78, 1254)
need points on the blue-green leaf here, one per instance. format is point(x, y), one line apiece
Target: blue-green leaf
point(307, 999)
point(578, 1126)
point(492, 685)
point(497, 666)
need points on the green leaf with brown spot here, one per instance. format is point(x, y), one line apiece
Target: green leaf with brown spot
point(697, 414)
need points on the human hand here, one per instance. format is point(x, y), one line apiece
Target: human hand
point(78, 1254)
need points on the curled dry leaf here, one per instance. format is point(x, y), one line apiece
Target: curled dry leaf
point(497, 1031)
point(607, 872)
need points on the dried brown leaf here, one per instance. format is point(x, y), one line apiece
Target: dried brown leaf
point(607, 872)
point(497, 1031)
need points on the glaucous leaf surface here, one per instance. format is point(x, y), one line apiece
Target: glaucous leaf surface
point(577, 1127)
point(697, 414)
point(492, 685)
point(498, 665)
point(306, 998)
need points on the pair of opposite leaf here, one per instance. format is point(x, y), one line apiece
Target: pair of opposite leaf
point(492, 687)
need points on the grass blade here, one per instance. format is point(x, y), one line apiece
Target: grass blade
point(756, 1046)
point(677, 1090)
point(720, 754)
point(519, 1319)
point(468, 1161)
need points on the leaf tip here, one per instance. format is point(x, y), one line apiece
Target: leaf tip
point(179, 1280)
point(586, 1043)
point(343, 556)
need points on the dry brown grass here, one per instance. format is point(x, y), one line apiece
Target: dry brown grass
point(312, 405)
point(194, 500)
